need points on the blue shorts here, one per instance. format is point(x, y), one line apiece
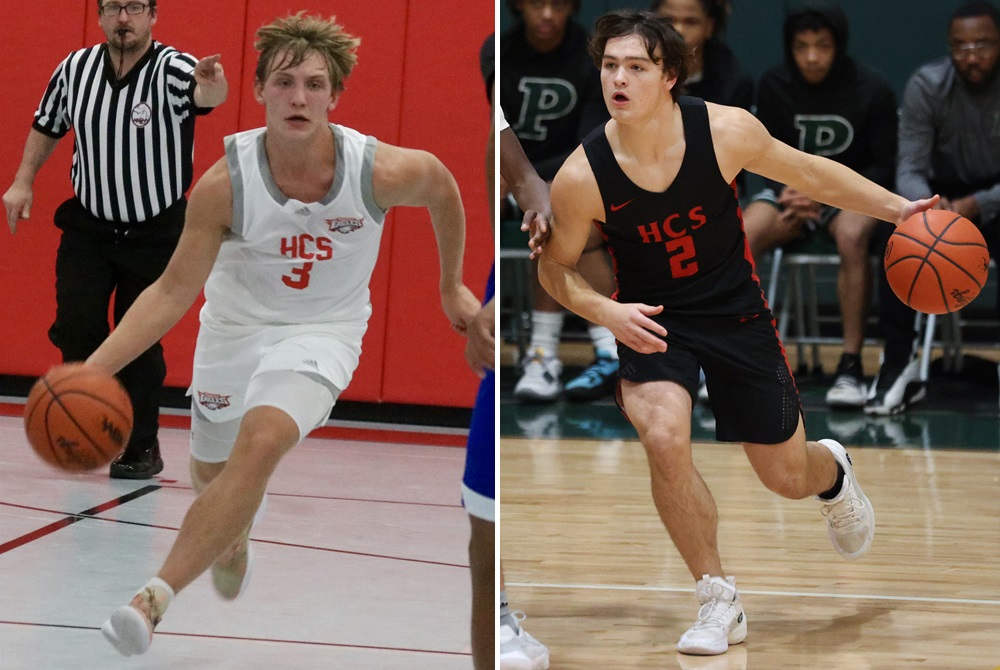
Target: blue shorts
point(479, 481)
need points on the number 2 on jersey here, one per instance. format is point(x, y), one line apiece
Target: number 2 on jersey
point(681, 252)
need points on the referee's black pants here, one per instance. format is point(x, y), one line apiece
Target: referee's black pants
point(102, 267)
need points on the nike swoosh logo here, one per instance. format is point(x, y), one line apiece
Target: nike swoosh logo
point(615, 208)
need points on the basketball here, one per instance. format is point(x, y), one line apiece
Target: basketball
point(78, 417)
point(936, 261)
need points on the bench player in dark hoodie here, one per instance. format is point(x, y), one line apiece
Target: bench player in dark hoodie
point(823, 102)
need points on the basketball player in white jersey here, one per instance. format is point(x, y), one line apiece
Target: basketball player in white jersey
point(283, 233)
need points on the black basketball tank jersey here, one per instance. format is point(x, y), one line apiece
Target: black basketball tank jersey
point(683, 248)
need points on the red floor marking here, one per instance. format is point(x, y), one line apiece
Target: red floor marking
point(69, 520)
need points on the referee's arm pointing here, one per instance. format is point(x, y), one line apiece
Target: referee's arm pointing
point(211, 86)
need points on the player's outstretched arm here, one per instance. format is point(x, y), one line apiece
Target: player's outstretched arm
point(159, 307)
point(743, 142)
point(413, 178)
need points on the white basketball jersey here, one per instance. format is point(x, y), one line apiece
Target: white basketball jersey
point(292, 262)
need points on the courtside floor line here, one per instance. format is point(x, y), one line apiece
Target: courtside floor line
point(793, 594)
point(363, 431)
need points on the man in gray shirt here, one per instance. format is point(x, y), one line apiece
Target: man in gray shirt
point(949, 143)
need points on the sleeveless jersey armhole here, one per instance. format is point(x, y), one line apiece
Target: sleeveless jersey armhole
point(236, 182)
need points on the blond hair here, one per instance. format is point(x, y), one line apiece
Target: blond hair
point(286, 42)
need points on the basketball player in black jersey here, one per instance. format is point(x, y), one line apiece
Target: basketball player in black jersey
point(657, 180)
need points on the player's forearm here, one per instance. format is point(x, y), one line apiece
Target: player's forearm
point(448, 220)
point(149, 318)
point(833, 184)
point(568, 287)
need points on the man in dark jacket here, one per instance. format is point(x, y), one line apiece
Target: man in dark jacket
point(823, 102)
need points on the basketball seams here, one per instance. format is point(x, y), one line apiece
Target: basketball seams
point(96, 444)
point(956, 273)
point(942, 256)
point(84, 406)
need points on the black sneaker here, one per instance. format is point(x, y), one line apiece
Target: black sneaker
point(896, 388)
point(138, 462)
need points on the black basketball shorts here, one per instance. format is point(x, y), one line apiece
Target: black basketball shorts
point(753, 392)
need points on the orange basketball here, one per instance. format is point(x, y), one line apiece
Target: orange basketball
point(78, 417)
point(936, 261)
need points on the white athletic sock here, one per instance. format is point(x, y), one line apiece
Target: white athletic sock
point(158, 583)
point(546, 329)
point(603, 340)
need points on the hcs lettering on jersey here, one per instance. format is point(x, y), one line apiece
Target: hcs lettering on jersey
point(310, 248)
point(675, 233)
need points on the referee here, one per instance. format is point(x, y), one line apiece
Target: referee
point(131, 103)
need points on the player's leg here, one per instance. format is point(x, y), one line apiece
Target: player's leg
point(481, 568)
point(797, 469)
point(661, 413)
point(479, 499)
point(211, 444)
point(282, 406)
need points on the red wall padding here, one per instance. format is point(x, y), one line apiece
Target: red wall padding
point(417, 84)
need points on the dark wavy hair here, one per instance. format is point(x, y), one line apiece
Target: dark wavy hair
point(653, 31)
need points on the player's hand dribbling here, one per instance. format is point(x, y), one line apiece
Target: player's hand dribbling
point(917, 206)
point(631, 325)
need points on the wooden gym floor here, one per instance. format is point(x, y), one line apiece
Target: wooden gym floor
point(587, 559)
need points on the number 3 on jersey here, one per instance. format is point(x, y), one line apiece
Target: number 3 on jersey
point(299, 278)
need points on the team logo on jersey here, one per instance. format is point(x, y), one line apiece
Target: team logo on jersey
point(213, 400)
point(345, 224)
point(142, 114)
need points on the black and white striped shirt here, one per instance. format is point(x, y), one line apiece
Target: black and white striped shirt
point(132, 154)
